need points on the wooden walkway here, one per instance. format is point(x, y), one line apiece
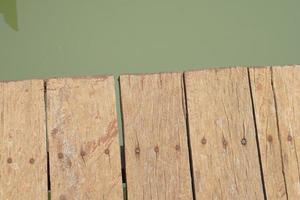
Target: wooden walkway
point(231, 133)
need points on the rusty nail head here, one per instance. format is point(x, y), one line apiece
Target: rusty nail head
point(177, 147)
point(82, 153)
point(244, 141)
point(31, 160)
point(60, 155)
point(106, 151)
point(156, 149)
point(270, 138)
point(203, 141)
point(290, 138)
point(225, 143)
point(137, 150)
point(9, 160)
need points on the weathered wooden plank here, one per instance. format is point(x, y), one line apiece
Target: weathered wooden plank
point(222, 135)
point(286, 89)
point(23, 154)
point(157, 163)
point(83, 139)
point(267, 130)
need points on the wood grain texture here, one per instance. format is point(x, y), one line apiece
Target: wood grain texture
point(286, 88)
point(23, 154)
point(222, 135)
point(267, 130)
point(157, 163)
point(83, 139)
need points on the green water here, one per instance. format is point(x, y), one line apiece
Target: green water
point(40, 38)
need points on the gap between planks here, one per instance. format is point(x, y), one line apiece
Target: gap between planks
point(188, 135)
point(121, 135)
point(256, 136)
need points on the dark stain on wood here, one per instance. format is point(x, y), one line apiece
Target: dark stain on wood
point(54, 131)
point(111, 133)
point(225, 143)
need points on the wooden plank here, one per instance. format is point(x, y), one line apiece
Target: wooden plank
point(222, 135)
point(286, 88)
point(269, 141)
point(23, 154)
point(156, 150)
point(83, 139)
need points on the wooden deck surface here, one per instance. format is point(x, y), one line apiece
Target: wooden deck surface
point(229, 133)
point(222, 134)
point(156, 148)
point(23, 153)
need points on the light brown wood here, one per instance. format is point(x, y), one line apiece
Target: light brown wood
point(222, 134)
point(83, 139)
point(286, 88)
point(157, 163)
point(269, 141)
point(23, 154)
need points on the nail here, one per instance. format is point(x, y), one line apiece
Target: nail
point(60, 155)
point(244, 141)
point(31, 160)
point(137, 150)
point(106, 151)
point(156, 149)
point(270, 138)
point(9, 160)
point(203, 141)
point(225, 143)
point(82, 153)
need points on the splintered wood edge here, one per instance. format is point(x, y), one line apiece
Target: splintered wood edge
point(96, 77)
